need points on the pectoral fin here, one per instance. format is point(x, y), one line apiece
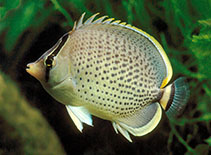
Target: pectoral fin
point(79, 115)
point(141, 123)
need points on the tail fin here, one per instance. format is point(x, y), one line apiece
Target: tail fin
point(175, 97)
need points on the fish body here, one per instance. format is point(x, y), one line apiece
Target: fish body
point(114, 71)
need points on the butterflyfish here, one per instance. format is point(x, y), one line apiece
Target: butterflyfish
point(114, 71)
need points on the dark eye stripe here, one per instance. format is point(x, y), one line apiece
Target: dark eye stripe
point(50, 58)
point(64, 39)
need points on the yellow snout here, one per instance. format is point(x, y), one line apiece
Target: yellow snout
point(36, 69)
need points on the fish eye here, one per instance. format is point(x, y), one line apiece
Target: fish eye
point(49, 62)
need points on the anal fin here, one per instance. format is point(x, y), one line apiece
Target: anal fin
point(141, 123)
point(124, 132)
point(79, 115)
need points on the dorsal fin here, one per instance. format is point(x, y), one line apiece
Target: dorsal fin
point(108, 21)
point(74, 26)
point(90, 19)
point(80, 22)
point(112, 21)
point(123, 23)
point(99, 20)
point(116, 22)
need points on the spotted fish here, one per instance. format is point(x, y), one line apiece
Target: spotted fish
point(114, 71)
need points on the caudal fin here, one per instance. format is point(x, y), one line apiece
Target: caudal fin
point(175, 97)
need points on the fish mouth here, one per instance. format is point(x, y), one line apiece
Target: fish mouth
point(27, 66)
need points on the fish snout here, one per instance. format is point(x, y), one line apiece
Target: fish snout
point(35, 69)
point(28, 67)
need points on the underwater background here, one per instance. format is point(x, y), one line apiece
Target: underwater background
point(32, 122)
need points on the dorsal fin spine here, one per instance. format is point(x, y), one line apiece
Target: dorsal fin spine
point(99, 20)
point(80, 22)
point(116, 22)
point(74, 26)
point(123, 23)
point(90, 19)
point(108, 21)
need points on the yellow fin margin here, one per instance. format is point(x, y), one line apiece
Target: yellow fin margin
point(161, 50)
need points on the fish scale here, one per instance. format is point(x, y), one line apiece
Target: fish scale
point(114, 71)
point(106, 57)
